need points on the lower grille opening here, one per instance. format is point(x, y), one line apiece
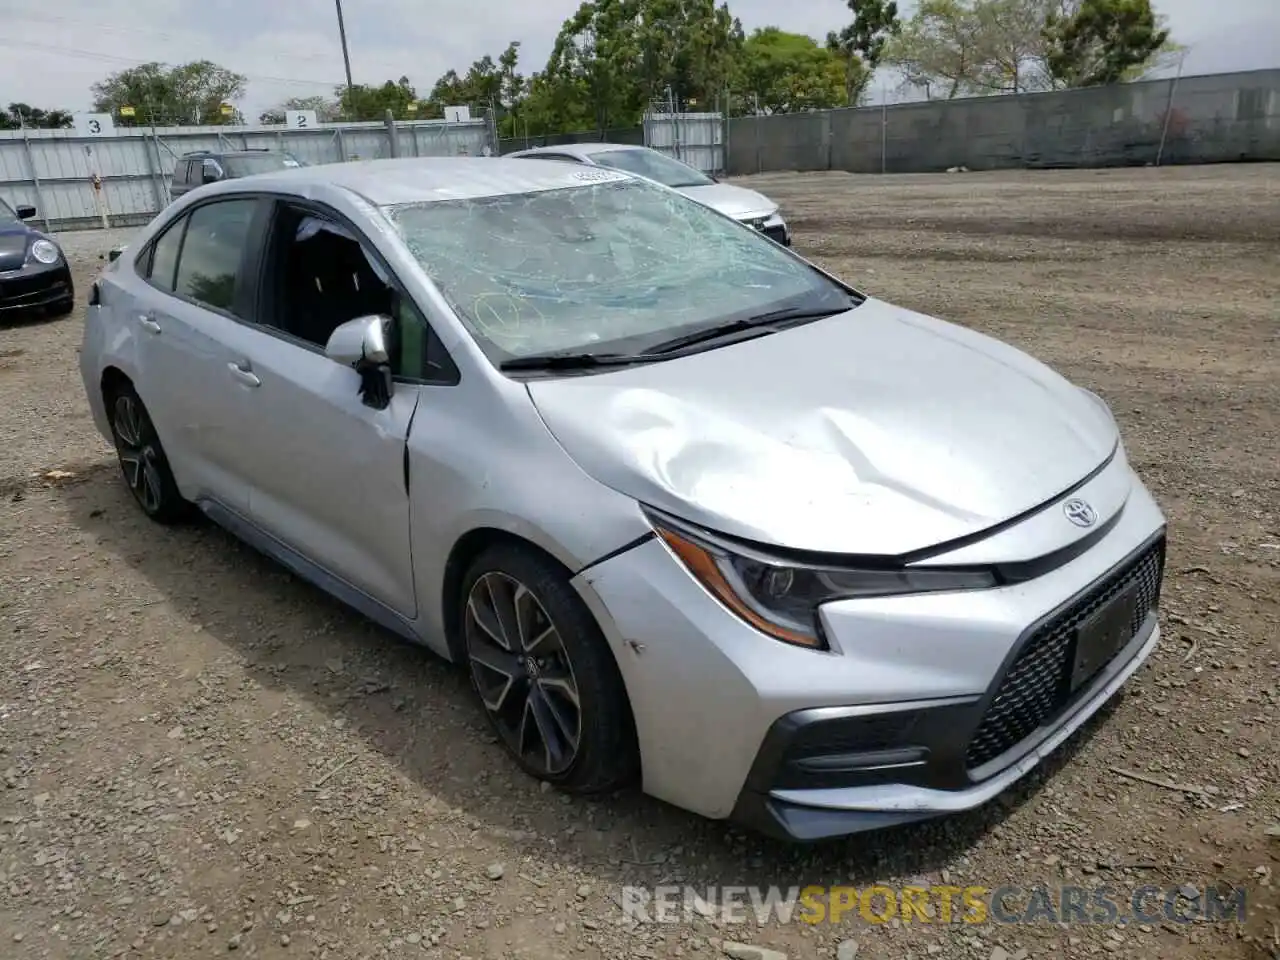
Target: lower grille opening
point(1036, 688)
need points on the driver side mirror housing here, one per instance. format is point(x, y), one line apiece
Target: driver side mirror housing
point(25, 211)
point(363, 344)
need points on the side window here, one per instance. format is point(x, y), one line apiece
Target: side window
point(322, 277)
point(217, 234)
point(164, 256)
point(419, 354)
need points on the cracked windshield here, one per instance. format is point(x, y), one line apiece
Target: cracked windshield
point(616, 265)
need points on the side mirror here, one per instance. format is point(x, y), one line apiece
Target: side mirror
point(208, 175)
point(114, 254)
point(362, 343)
point(25, 212)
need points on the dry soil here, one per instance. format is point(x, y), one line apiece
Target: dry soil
point(200, 754)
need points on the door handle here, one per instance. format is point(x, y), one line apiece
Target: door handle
point(148, 322)
point(244, 374)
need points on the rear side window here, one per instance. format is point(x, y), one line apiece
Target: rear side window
point(164, 256)
point(217, 234)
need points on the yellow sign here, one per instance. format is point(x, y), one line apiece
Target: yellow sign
point(412, 106)
point(126, 111)
point(227, 109)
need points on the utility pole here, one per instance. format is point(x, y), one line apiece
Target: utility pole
point(346, 57)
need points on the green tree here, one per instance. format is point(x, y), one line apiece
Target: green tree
point(783, 72)
point(326, 108)
point(191, 93)
point(1103, 41)
point(1011, 34)
point(364, 102)
point(612, 58)
point(20, 115)
point(861, 44)
point(940, 49)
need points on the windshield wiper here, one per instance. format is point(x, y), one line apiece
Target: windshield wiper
point(572, 361)
point(763, 323)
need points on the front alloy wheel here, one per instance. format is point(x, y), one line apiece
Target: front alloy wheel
point(523, 674)
point(543, 671)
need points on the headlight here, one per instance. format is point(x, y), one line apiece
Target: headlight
point(781, 598)
point(45, 251)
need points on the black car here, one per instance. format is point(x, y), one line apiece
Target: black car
point(34, 274)
point(206, 166)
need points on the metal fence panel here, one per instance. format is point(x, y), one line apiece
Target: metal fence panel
point(1204, 119)
point(53, 169)
point(695, 138)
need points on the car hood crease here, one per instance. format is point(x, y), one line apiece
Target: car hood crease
point(731, 199)
point(876, 432)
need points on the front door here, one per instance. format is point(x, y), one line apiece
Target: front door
point(327, 474)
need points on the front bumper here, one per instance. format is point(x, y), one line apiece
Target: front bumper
point(903, 720)
point(34, 287)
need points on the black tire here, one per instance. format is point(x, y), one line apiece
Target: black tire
point(606, 756)
point(142, 459)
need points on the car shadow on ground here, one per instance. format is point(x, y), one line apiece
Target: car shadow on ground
point(418, 711)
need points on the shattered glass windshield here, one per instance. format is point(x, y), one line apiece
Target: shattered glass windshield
point(607, 266)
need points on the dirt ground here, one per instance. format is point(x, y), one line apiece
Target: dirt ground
point(201, 754)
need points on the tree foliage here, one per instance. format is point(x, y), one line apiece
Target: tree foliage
point(861, 44)
point(955, 47)
point(1103, 41)
point(940, 49)
point(784, 72)
point(365, 102)
point(612, 58)
point(19, 115)
point(189, 93)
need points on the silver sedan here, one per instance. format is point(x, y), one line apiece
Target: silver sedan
point(690, 510)
point(742, 204)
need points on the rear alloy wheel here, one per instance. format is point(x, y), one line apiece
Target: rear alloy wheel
point(142, 459)
point(544, 674)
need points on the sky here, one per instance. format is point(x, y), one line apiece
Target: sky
point(290, 48)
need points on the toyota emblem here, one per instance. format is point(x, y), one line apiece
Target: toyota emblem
point(1080, 513)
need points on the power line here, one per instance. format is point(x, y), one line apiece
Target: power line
point(111, 58)
point(132, 30)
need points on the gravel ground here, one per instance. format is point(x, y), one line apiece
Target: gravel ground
point(202, 755)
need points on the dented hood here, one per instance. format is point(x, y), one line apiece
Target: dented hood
point(878, 431)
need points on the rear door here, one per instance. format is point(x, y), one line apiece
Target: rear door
point(188, 376)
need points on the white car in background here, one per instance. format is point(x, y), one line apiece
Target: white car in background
point(746, 206)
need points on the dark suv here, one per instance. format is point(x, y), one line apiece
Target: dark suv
point(207, 166)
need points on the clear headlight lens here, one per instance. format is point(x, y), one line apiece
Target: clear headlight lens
point(45, 251)
point(781, 599)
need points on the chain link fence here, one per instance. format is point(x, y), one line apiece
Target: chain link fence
point(1203, 119)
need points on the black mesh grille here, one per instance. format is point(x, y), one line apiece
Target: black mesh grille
point(17, 290)
point(1036, 687)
